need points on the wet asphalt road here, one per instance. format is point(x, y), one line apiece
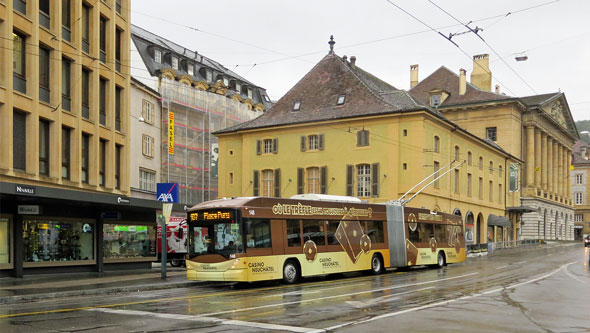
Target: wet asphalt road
point(537, 290)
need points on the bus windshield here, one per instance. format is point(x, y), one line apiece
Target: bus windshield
point(215, 238)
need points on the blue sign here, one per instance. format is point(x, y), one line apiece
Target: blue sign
point(167, 192)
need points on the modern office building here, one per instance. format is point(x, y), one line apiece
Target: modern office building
point(64, 130)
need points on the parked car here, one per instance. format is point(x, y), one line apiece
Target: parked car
point(587, 241)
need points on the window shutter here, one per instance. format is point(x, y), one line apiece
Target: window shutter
point(303, 143)
point(258, 147)
point(144, 145)
point(375, 180)
point(349, 180)
point(366, 138)
point(324, 180)
point(152, 144)
point(299, 180)
point(255, 183)
point(359, 138)
point(275, 145)
point(143, 110)
point(321, 142)
point(278, 183)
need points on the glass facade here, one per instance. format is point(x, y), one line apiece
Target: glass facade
point(4, 241)
point(51, 240)
point(129, 241)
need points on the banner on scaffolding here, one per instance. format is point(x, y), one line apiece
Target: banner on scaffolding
point(171, 133)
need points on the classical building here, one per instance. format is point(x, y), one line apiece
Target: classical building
point(580, 187)
point(64, 124)
point(343, 131)
point(537, 129)
point(198, 96)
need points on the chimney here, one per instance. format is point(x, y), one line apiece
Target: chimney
point(462, 81)
point(481, 76)
point(345, 58)
point(352, 61)
point(413, 76)
point(497, 89)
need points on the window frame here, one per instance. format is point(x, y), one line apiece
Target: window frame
point(492, 133)
point(312, 180)
point(436, 142)
point(296, 106)
point(146, 184)
point(44, 146)
point(363, 138)
point(363, 180)
point(267, 181)
point(341, 99)
point(66, 152)
point(147, 147)
point(158, 56)
point(85, 158)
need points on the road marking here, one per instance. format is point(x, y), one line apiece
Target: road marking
point(382, 299)
point(332, 297)
point(209, 320)
point(225, 293)
point(501, 267)
point(550, 254)
point(518, 263)
point(392, 314)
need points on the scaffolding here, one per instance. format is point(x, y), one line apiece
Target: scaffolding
point(197, 113)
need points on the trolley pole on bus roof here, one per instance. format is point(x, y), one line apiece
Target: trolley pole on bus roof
point(167, 193)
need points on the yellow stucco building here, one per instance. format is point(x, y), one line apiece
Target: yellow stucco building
point(342, 131)
point(537, 129)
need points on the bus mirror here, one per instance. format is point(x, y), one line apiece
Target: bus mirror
point(181, 233)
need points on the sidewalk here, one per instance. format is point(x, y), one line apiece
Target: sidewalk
point(35, 287)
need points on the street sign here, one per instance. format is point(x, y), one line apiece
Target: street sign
point(167, 192)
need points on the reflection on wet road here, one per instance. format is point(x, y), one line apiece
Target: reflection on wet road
point(537, 289)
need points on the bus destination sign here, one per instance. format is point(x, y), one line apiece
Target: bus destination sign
point(211, 215)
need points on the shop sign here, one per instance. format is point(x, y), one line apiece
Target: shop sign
point(167, 192)
point(122, 200)
point(28, 209)
point(24, 189)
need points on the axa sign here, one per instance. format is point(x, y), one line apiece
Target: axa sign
point(167, 192)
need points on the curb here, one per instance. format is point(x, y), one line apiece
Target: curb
point(99, 291)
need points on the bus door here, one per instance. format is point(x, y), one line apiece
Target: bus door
point(277, 232)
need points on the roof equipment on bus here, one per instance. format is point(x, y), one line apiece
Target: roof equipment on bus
point(325, 197)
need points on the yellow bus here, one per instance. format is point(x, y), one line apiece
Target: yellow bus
point(250, 239)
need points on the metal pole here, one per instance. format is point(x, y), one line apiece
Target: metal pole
point(164, 247)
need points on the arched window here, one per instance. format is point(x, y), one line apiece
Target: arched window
point(457, 150)
point(436, 144)
point(491, 166)
point(469, 157)
point(500, 170)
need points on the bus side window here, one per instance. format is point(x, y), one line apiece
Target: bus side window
point(425, 232)
point(315, 230)
point(375, 231)
point(440, 233)
point(258, 234)
point(293, 233)
point(332, 226)
point(414, 236)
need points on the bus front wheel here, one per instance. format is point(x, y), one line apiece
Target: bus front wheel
point(290, 272)
point(376, 264)
point(176, 262)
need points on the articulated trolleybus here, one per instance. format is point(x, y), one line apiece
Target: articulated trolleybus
point(256, 238)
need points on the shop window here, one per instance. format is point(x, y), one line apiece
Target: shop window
point(48, 240)
point(293, 233)
point(258, 234)
point(129, 241)
point(4, 241)
point(315, 231)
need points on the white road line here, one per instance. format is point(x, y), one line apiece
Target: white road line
point(550, 254)
point(518, 263)
point(331, 297)
point(210, 320)
point(501, 267)
point(391, 314)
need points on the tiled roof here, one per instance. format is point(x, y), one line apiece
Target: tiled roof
point(538, 99)
point(447, 80)
point(578, 159)
point(318, 92)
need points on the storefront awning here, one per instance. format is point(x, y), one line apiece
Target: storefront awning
point(499, 221)
point(520, 209)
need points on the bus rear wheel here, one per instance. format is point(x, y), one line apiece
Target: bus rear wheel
point(441, 261)
point(176, 262)
point(376, 264)
point(290, 272)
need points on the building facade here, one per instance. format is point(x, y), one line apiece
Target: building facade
point(342, 131)
point(198, 96)
point(538, 129)
point(64, 180)
point(580, 187)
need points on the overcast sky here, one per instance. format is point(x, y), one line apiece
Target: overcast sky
point(286, 38)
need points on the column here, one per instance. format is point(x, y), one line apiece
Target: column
point(564, 174)
point(549, 165)
point(569, 179)
point(559, 170)
point(544, 165)
point(554, 168)
point(530, 155)
point(538, 159)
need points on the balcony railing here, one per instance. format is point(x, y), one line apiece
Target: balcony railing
point(85, 46)
point(20, 5)
point(102, 118)
point(66, 103)
point(103, 56)
point(66, 33)
point(44, 94)
point(44, 19)
point(118, 124)
point(85, 111)
point(118, 6)
point(118, 65)
point(19, 83)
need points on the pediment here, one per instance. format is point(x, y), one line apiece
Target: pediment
point(558, 110)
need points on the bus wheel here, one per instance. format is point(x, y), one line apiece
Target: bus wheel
point(376, 264)
point(176, 262)
point(441, 260)
point(290, 272)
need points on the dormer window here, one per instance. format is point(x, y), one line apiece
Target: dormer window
point(190, 69)
point(238, 88)
point(209, 76)
point(226, 82)
point(296, 106)
point(435, 100)
point(158, 56)
point(249, 93)
point(174, 62)
point(341, 99)
point(266, 98)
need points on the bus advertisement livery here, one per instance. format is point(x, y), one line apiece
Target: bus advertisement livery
point(256, 238)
